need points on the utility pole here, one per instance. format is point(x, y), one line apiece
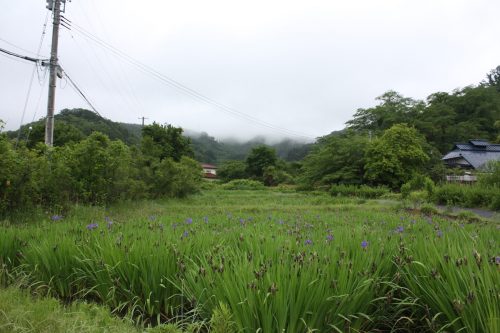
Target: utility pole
point(142, 120)
point(55, 6)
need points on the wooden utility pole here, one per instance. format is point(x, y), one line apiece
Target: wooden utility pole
point(49, 125)
point(142, 120)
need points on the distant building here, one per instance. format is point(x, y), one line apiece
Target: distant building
point(472, 155)
point(209, 171)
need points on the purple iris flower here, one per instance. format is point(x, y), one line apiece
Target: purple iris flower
point(497, 260)
point(56, 217)
point(205, 219)
point(109, 224)
point(189, 220)
point(92, 226)
point(308, 242)
point(185, 234)
point(364, 244)
point(152, 217)
point(329, 237)
point(439, 233)
point(400, 229)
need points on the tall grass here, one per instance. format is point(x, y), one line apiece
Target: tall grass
point(265, 261)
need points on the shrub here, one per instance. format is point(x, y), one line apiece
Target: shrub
point(362, 191)
point(466, 195)
point(428, 209)
point(243, 184)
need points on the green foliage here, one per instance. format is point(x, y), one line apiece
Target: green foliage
point(259, 159)
point(428, 209)
point(274, 175)
point(231, 170)
point(493, 78)
point(393, 109)
point(243, 184)
point(417, 183)
point(18, 188)
point(164, 141)
point(221, 321)
point(445, 118)
point(277, 261)
point(72, 126)
point(491, 175)
point(21, 312)
point(361, 191)
point(467, 195)
point(395, 157)
point(337, 159)
point(94, 170)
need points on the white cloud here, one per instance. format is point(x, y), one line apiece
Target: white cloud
point(303, 65)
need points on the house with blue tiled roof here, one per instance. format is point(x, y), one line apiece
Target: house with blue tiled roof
point(473, 155)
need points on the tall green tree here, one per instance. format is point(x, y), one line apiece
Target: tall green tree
point(396, 156)
point(393, 108)
point(165, 141)
point(493, 78)
point(258, 159)
point(231, 170)
point(336, 159)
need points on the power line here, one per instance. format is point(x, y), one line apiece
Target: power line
point(17, 55)
point(113, 70)
point(184, 89)
point(17, 47)
point(35, 69)
point(80, 92)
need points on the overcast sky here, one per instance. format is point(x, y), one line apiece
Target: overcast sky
point(294, 66)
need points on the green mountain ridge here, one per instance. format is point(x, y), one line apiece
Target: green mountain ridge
point(73, 125)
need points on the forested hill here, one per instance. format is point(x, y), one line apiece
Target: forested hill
point(73, 125)
point(443, 118)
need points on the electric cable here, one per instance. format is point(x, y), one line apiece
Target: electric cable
point(182, 88)
point(35, 70)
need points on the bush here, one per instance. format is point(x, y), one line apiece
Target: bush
point(417, 183)
point(362, 191)
point(467, 196)
point(491, 176)
point(95, 170)
point(243, 184)
point(428, 209)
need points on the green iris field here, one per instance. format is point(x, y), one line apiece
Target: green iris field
point(264, 261)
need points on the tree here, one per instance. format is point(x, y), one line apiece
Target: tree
point(64, 133)
point(163, 141)
point(230, 170)
point(395, 157)
point(258, 159)
point(393, 109)
point(493, 78)
point(336, 159)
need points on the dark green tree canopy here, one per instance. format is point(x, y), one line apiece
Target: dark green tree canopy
point(394, 108)
point(163, 141)
point(444, 119)
point(258, 159)
point(336, 159)
point(396, 156)
point(493, 78)
point(231, 170)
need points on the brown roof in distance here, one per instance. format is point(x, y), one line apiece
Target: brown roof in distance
point(208, 166)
